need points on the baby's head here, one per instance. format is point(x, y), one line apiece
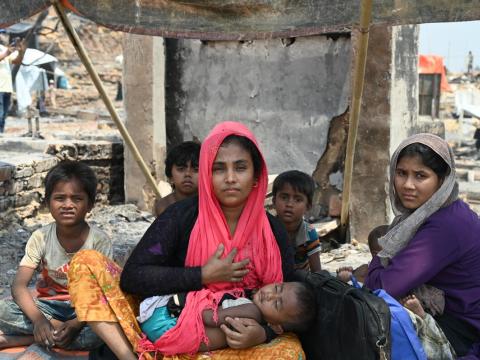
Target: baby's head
point(181, 167)
point(292, 195)
point(288, 306)
point(373, 237)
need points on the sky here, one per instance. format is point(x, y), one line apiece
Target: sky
point(452, 41)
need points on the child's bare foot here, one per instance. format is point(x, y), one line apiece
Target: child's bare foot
point(413, 304)
point(345, 273)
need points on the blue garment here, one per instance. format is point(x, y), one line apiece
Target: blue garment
point(158, 324)
point(4, 105)
point(405, 342)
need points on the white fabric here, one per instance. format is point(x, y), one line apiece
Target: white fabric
point(148, 306)
point(6, 71)
point(37, 57)
point(228, 303)
point(29, 78)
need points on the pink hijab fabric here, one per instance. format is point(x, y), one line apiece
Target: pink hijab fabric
point(253, 239)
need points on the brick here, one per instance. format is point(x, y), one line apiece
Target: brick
point(6, 203)
point(44, 165)
point(36, 181)
point(17, 187)
point(24, 198)
point(87, 115)
point(6, 171)
point(22, 172)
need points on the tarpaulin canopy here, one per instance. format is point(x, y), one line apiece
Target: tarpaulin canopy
point(433, 64)
point(244, 19)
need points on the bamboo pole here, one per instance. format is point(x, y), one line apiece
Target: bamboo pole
point(77, 43)
point(355, 107)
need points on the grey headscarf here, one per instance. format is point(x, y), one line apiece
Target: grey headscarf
point(407, 222)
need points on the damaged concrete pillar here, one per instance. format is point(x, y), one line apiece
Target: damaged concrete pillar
point(144, 101)
point(389, 114)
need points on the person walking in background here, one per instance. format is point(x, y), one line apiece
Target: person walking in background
point(11, 54)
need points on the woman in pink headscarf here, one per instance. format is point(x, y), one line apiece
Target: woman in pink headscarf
point(221, 242)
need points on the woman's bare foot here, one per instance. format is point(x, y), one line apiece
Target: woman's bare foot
point(413, 304)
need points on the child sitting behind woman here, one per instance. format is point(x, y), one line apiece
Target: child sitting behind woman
point(284, 307)
point(49, 319)
point(181, 170)
point(292, 198)
point(345, 273)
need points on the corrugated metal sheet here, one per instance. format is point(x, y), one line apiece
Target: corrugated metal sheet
point(246, 19)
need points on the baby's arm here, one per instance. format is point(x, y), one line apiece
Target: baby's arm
point(314, 248)
point(249, 311)
point(216, 339)
point(314, 262)
point(42, 328)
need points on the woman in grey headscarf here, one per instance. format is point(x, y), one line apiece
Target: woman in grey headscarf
point(433, 240)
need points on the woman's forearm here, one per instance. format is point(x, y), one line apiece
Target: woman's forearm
point(152, 280)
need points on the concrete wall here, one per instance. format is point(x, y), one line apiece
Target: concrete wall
point(389, 113)
point(294, 96)
point(287, 93)
point(144, 94)
point(404, 84)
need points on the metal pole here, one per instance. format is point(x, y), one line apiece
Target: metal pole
point(77, 43)
point(357, 91)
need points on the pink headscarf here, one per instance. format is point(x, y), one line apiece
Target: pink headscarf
point(253, 239)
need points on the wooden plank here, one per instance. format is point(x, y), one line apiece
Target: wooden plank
point(246, 19)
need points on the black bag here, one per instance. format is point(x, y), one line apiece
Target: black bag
point(176, 304)
point(350, 323)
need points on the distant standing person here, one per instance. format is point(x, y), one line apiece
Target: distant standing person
point(476, 136)
point(11, 54)
point(181, 169)
point(470, 62)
